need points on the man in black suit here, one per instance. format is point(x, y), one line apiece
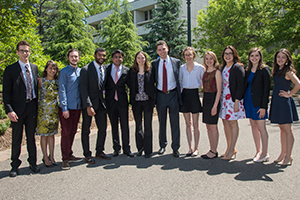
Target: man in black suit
point(20, 90)
point(117, 102)
point(92, 81)
point(167, 96)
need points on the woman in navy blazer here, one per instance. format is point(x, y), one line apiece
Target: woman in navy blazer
point(142, 90)
point(232, 107)
point(257, 89)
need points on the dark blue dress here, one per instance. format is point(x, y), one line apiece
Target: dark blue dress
point(282, 110)
point(251, 111)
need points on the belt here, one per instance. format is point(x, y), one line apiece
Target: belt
point(30, 100)
point(168, 92)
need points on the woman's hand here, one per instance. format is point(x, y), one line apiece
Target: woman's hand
point(285, 94)
point(262, 113)
point(213, 111)
point(236, 106)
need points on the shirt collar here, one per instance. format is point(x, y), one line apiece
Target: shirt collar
point(23, 64)
point(167, 59)
point(97, 66)
point(113, 66)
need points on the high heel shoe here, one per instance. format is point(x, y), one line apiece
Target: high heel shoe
point(195, 153)
point(264, 159)
point(204, 156)
point(51, 165)
point(289, 162)
point(278, 160)
point(233, 156)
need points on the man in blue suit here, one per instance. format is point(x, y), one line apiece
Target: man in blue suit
point(168, 95)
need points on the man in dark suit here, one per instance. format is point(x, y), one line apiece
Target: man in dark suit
point(20, 90)
point(92, 81)
point(117, 102)
point(167, 96)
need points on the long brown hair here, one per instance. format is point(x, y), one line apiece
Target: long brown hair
point(135, 65)
point(213, 55)
point(236, 58)
point(54, 65)
point(289, 65)
point(260, 63)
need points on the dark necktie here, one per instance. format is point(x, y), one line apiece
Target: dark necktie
point(28, 83)
point(101, 78)
point(165, 79)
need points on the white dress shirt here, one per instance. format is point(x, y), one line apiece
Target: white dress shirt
point(98, 68)
point(170, 74)
point(23, 68)
point(191, 80)
point(113, 71)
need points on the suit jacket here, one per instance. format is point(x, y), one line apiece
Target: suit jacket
point(260, 87)
point(148, 86)
point(14, 87)
point(176, 68)
point(111, 87)
point(89, 87)
point(236, 81)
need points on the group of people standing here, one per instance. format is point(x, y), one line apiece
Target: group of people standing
point(99, 90)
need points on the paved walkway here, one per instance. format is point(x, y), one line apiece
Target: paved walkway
point(162, 176)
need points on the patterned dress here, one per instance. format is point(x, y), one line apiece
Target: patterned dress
point(47, 120)
point(226, 101)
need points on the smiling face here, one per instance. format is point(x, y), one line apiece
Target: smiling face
point(51, 71)
point(24, 53)
point(140, 59)
point(73, 58)
point(209, 61)
point(162, 51)
point(255, 58)
point(281, 59)
point(188, 56)
point(117, 59)
point(100, 57)
point(228, 55)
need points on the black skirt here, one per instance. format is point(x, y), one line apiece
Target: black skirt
point(208, 103)
point(190, 101)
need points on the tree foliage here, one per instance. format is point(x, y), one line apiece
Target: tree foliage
point(119, 32)
point(165, 25)
point(241, 23)
point(94, 7)
point(69, 31)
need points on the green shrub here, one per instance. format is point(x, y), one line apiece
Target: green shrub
point(4, 126)
point(2, 112)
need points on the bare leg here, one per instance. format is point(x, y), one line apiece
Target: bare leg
point(195, 118)
point(51, 142)
point(44, 149)
point(261, 124)
point(213, 136)
point(234, 135)
point(188, 123)
point(227, 130)
point(283, 143)
point(256, 137)
point(289, 135)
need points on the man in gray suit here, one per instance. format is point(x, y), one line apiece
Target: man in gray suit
point(92, 81)
point(167, 96)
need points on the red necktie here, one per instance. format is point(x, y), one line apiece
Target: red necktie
point(165, 79)
point(116, 80)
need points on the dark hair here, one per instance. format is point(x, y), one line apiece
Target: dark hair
point(71, 50)
point(117, 51)
point(135, 65)
point(213, 55)
point(23, 42)
point(161, 42)
point(189, 48)
point(99, 49)
point(54, 65)
point(236, 58)
point(289, 66)
point(260, 63)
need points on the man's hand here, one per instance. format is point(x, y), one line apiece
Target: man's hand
point(66, 114)
point(13, 116)
point(90, 111)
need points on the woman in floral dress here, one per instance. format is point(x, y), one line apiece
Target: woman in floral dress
point(47, 121)
point(232, 107)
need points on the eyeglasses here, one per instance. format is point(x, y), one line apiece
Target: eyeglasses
point(116, 57)
point(228, 54)
point(24, 51)
point(188, 55)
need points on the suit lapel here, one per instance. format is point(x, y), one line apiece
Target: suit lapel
point(175, 70)
point(94, 73)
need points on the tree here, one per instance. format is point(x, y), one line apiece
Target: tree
point(69, 31)
point(166, 26)
point(241, 23)
point(94, 7)
point(18, 23)
point(119, 32)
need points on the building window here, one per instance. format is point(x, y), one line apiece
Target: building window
point(146, 15)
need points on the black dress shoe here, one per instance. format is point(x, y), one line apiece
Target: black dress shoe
point(90, 160)
point(13, 172)
point(128, 153)
point(34, 168)
point(147, 155)
point(103, 156)
point(162, 150)
point(176, 153)
point(140, 152)
point(115, 153)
